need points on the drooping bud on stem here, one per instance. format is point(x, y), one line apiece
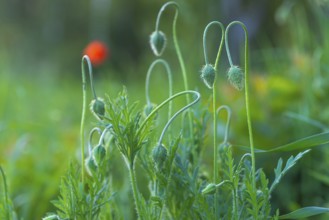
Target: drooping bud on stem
point(208, 74)
point(91, 166)
point(97, 107)
point(210, 189)
point(158, 42)
point(159, 155)
point(236, 77)
point(148, 109)
point(99, 153)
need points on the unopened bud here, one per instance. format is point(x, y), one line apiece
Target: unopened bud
point(223, 147)
point(210, 189)
point(236, 77)
point(91, 166)
point(159, 155)
point(148, 109)
point(99, 153)
point(158, 42)
point(208, 74)
point(97, 107)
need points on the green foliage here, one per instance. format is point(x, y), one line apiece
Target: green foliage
point(6, 207)
point(305, 212)
point(167, 172)
point(82, 202)
point(279, 172)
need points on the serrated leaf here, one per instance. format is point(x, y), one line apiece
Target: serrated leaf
point(305, 212)
point(278, 169)
point(279, 173)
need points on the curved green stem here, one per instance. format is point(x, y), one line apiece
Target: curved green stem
point(221, 26)
point(83, 117)
point(163, 133)
point(214, 90)
point(177, 113)
point(154, 111)
point(101, 139)
point(6, 193)
point(86, 59)
point(246, 61)
point(90, 70)
point(227, 128)
point(178, 51)
point(91, 133)
point(147, 83)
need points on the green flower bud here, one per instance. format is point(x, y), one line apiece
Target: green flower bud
point(223, 147)
point(210, 189)
point(159, 155)
point(158, 42)
point(236, 77)
point(148, 109)
point(99, 153)
point(91, 166)
point(208, 74)
point(97, 107)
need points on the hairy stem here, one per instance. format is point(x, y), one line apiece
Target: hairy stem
point(135, 189)
point(246, 61)
point(83, 117)
point(178, 52)
point(214, 98)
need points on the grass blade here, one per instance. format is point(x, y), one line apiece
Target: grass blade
point(305, 212)
point(307, 142)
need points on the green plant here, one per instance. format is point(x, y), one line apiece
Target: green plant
point(174, 164)
point(6, 207)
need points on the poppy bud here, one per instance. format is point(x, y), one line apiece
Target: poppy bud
point(97, 52)
point(223, 147)
point(208, 74)
point(210, 189)
point(159, 155)
point(148, 109)
point(97, 107)
point(99, 153)
point(236, 77)
point(158, 42)
point(91, 166)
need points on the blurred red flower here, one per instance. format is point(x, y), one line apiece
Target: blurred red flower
point(97, 52)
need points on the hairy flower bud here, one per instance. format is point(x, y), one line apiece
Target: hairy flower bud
point(223, 147)
point(158, 42)
point(236, 77)
point(91, 166)
point(99, 153)
point(97, 107)
point(210, 189)
point(148, 109)
point(159, 155)
point(208, 74)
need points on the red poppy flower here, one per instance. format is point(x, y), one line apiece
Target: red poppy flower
point(97, 52)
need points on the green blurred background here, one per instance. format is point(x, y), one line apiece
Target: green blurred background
point(41, 45)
